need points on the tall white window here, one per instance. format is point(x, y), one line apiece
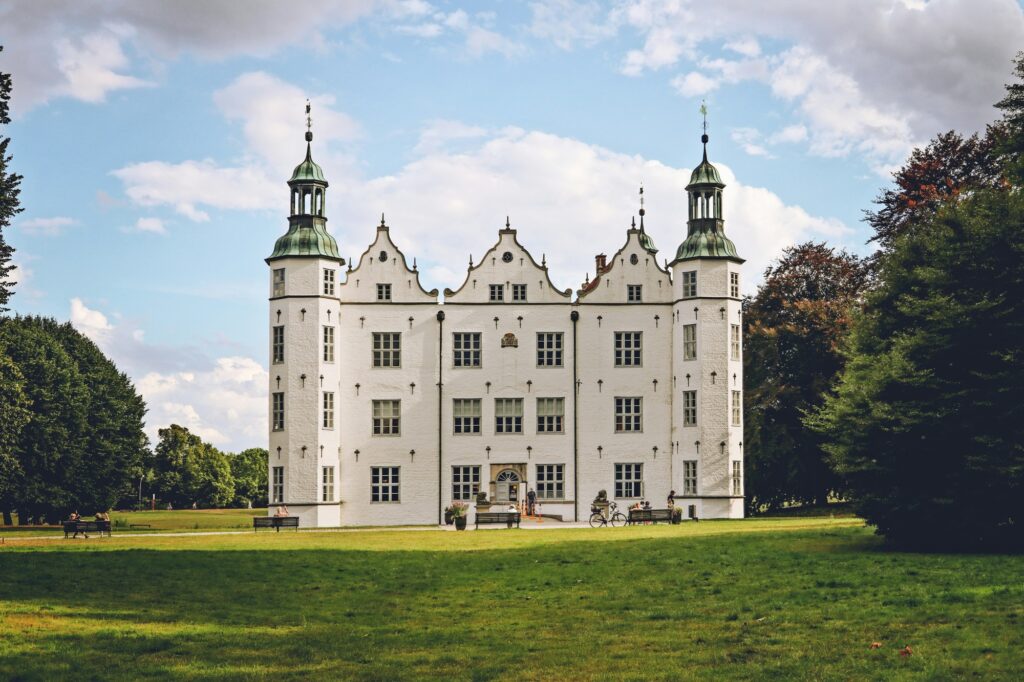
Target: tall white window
point(327, 477)
point(549, 349)
point(628, 414)
point(629, 480)
point(737, 477)
point(734, 284)
point(689, 408)
point(508, 415)
point(387, 417)
point(628, 349)
point(279, 282)
point(277, 411)
point(689, 284)
point(277, 344)
point(550, 415)
point(734, 341)
point(737, 408)
point(328, 282)
point(277, 485)
point(634, 293)
point(465, 482)
point(690, 477)
point(328, 410)
point(387, 349)
point(497, 292)
point(518, 292)
point(466, 349)
point(384, 484)
point(689, 342)
point(328, 344)
point(466, 415)
point(550, 481)
point(383, 292)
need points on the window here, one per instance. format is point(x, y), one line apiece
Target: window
point(387, 417)
point(737, 477)
point(466, 413)
point(737, 407)
point(328, 484)
point(550, 481)
point(387, 349)
point(629, 480)
point(328, 344)
point(634, 293)
point(279, 282)
point(328, 410)
point(328, 282)
point(277, 344)
point(549, 349)
point(690, 284)
point(734, 284)
point(690, 477)
point(550, 415)
point(627, 349)
point(518, 292)
point(465, 482)
point(689, 408)
point(497, 292)
point(384, 484)
point(277, 411)
point(383, 292)
point(689, 342)
point(277, 486)
point(628, 414)
point(466, 349)
point(508, 415)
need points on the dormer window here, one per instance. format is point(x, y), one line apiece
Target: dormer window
point(519, 292)
point(497, 293)
point(634, 293)
point(383, 292)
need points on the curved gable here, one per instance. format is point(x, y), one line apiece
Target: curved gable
point(384, 263)
point(611, 284)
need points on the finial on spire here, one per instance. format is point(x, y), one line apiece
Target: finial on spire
point(543, 260)
point(704, 138)
point(642, 211)
point(309, 123)
point(507, 223)
point(633, 224)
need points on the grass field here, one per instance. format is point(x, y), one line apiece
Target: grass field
point(178, 520)
point(778, 598)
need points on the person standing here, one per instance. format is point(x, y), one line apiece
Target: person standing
point(671, 499)
point(531, 502)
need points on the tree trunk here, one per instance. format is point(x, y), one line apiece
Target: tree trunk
point(8, 521)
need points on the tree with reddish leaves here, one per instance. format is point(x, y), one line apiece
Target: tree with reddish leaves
point(795, 326)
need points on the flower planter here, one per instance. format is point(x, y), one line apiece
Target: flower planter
point(448, 518)
point(460, 523)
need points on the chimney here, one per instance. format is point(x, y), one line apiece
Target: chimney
point(602, 262)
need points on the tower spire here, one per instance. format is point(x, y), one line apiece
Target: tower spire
point(704, 138)
point(642, 211)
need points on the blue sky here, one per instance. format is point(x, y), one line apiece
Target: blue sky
point(155, 140)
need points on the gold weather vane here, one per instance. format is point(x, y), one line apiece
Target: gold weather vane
point(704, 113)
point(309, 119)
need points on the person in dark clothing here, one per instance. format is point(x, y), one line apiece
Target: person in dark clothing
point(531, 502)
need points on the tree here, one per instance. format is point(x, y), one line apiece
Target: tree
point(14, 415)
point(1012, 143)
point(794, 327)
point(189, 471)
point(249, 471)
point(927, 422)
point(10, 188)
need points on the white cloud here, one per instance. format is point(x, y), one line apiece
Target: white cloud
point(694, 84)
point(567, 23)
point(748, 46)
point(154, 225)
point(90, 66)
point(50, 227)
point(790, 134)
point(438, 134)
point(92, 323)
point(750, 141)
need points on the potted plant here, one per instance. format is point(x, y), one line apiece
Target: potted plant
point(449, 516)
point(459, 511)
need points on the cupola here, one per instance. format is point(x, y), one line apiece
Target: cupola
point(705, 236)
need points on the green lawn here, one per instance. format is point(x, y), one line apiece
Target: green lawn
point(768, 598)
point(178, 520)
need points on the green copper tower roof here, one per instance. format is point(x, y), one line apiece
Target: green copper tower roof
point(705, 173)
point(705, 236)
point(307, 235)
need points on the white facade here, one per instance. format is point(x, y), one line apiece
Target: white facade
point(508, 385)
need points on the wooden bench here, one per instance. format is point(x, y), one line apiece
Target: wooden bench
point(86, 527)
point(508, 518)
point(649, 515)
point(276, 522)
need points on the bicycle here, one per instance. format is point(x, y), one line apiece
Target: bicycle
point(615, 518)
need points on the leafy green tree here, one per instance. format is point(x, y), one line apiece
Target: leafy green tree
point(249, 471)
point(927, 423)
point(1011, 144)
point(14, 415)
point(189, 471)
point(10, 188)
point(794, 327)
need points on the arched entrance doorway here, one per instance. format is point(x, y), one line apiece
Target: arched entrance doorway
point(507, 487)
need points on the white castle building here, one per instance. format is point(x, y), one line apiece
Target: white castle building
point(386, 404)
